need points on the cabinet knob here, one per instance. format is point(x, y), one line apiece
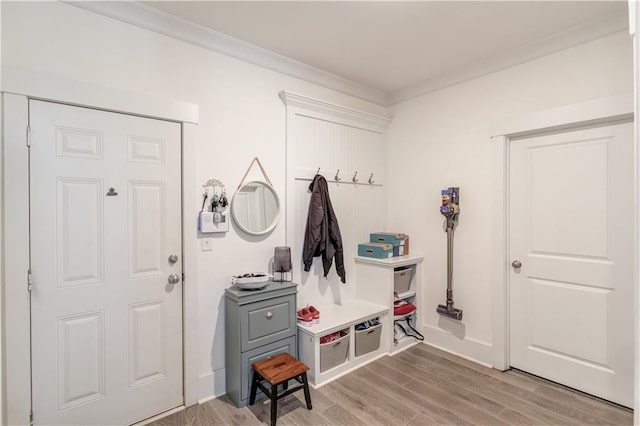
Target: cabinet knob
point(269, 315)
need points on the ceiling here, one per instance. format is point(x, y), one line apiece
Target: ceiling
point(390, 46)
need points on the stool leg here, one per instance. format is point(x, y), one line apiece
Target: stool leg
point(254, 387)
point(307, 394)
point(274, 404)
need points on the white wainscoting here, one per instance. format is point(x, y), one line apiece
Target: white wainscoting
point(331, 137)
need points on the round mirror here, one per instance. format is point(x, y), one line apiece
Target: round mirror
point(255, 208)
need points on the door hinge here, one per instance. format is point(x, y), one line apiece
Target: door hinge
point(29, 136)
point(29, 280)
point(183, 277)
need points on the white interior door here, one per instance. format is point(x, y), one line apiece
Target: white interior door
point(571, 227)
point(106, 323)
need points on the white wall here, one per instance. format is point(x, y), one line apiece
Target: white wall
point(241, 117)
point(442, 139)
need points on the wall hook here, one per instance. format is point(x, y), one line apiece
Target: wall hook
point(337, 177)
point(371, 181)
point(318, 172)
point(354, 179)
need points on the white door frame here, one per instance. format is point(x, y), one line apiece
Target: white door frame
point(18, 88)
point(597, 111)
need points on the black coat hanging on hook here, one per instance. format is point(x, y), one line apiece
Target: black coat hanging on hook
point(322, 236)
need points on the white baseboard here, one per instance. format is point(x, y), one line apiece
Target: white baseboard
point(212, 385)
point(465, 347)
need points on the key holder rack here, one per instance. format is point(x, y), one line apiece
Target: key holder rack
point(212, 218)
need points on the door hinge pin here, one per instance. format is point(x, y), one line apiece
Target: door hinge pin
point(29, 136)
point(29, 280)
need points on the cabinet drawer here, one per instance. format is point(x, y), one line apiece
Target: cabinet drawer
point(248, 358)
point(267, 321)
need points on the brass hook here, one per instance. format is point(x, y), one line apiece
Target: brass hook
point(337, 178)
point(354, 179)
point(371, 179)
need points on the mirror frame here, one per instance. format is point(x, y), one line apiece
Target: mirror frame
point(276, 219)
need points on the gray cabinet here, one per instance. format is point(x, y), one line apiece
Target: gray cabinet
point(258, 324)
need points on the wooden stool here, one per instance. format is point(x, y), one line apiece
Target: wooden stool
point(278, 370)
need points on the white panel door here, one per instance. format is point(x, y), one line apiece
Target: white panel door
point(106, 324)
point(571, 223)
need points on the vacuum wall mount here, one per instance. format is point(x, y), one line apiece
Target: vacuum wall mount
point(450, 209)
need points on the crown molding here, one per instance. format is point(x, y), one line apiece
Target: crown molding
point(546, 46)
point(143, 16)
point(322, 109)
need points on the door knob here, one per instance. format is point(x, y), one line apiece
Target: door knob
point(173, 259)
point(174, 279)
point(516, 264)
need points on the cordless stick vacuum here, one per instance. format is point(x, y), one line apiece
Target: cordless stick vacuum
point(450, 210)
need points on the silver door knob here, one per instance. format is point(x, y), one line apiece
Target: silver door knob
point(173, 279)
point(173, 259)
point(516, 264)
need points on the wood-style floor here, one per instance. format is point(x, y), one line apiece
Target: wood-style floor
point(420, 386)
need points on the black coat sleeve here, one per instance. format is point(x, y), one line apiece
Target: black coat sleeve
point(313, 232)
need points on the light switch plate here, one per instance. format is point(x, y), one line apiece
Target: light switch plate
point(206, 244)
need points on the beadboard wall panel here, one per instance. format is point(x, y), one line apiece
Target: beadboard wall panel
point(330, 142)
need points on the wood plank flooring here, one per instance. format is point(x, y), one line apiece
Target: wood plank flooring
point(420, 386)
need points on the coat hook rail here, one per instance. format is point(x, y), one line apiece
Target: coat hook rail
point(303, 173)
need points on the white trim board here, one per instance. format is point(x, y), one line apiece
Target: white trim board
point(634, 20)
point(16, 338)
point(588, 112)
point(152, 19)
point(570, 116)
point(46, 86)
point(15, 205)
point(213, 384)
point(312, 107)
point(466, 347)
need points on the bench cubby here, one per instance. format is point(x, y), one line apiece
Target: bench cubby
point(328, 361)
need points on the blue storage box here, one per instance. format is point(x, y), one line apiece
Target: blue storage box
point(397, 240)
point(377, 250)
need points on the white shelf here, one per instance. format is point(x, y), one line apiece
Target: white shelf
point(401, 317)
point(391, 261)
point(404, 343)
point(337, 317)
point(405, 295)
point(376, 283)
